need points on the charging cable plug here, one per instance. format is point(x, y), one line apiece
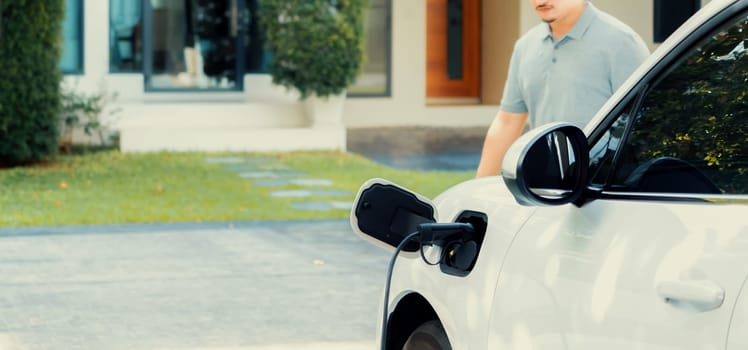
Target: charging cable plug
point(440, 233)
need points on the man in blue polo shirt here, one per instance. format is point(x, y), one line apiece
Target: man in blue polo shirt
point(561, 70)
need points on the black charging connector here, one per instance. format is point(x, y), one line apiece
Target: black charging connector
point(438, 234)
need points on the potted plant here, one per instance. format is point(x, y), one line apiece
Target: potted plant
point(317, 49)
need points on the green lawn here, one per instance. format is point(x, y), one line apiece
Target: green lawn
point(111, 187)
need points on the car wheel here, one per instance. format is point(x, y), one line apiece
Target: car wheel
point(428, 336)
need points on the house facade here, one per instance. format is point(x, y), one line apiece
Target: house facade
point(192, 74)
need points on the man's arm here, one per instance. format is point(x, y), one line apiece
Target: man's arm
point(504, 130)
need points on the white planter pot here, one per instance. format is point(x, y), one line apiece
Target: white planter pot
point(325, 111)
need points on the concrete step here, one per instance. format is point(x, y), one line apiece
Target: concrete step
point(215, 127)
point(232, 139)
point(212, 115)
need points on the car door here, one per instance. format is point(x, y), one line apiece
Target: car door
point(656, 256)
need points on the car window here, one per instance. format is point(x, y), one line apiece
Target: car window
point(689, 134)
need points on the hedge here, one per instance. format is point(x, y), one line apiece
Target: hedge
point(30, 48)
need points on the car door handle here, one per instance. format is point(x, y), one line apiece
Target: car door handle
point(703, 295)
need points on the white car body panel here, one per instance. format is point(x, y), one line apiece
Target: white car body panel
point(531, 272)
point(592, 277)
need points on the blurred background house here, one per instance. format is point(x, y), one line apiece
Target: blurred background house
point(192, 74)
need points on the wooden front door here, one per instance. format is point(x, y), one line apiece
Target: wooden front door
point(453, 50)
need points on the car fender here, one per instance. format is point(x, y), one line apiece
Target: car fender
point(463, 303)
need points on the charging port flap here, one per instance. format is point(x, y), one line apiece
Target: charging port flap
point(384, 213)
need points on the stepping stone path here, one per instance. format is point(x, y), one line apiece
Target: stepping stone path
point(238, 160)
point(297, 182)
point(267, 172)
point(334, 205)
point(312, 182)
point(310, 193)
point(255, 167)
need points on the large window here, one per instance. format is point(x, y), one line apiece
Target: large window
point(374, 79)
point(125, 36)
point(72, 50)
point(126, 46)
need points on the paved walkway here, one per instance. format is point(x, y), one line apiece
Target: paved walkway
point(250, 286)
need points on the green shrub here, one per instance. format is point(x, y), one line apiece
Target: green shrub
point(30, 80)
point(317, 45)
point(89, 114)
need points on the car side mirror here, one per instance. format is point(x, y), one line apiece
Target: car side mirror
point(547, 166)
point(384, 213)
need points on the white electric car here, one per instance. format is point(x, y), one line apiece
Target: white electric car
point(629, 234)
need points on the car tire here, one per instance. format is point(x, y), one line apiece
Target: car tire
point(428, 336)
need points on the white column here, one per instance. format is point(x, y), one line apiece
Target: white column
point(95, 46)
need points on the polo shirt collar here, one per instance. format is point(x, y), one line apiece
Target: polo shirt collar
point(579, 28)
point(584, 21)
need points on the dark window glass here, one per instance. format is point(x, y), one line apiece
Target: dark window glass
point(72, 33)
point(125, 35)
point(602, 154)
point(690, 134)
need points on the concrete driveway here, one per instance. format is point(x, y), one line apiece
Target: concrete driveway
point(258, 286)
